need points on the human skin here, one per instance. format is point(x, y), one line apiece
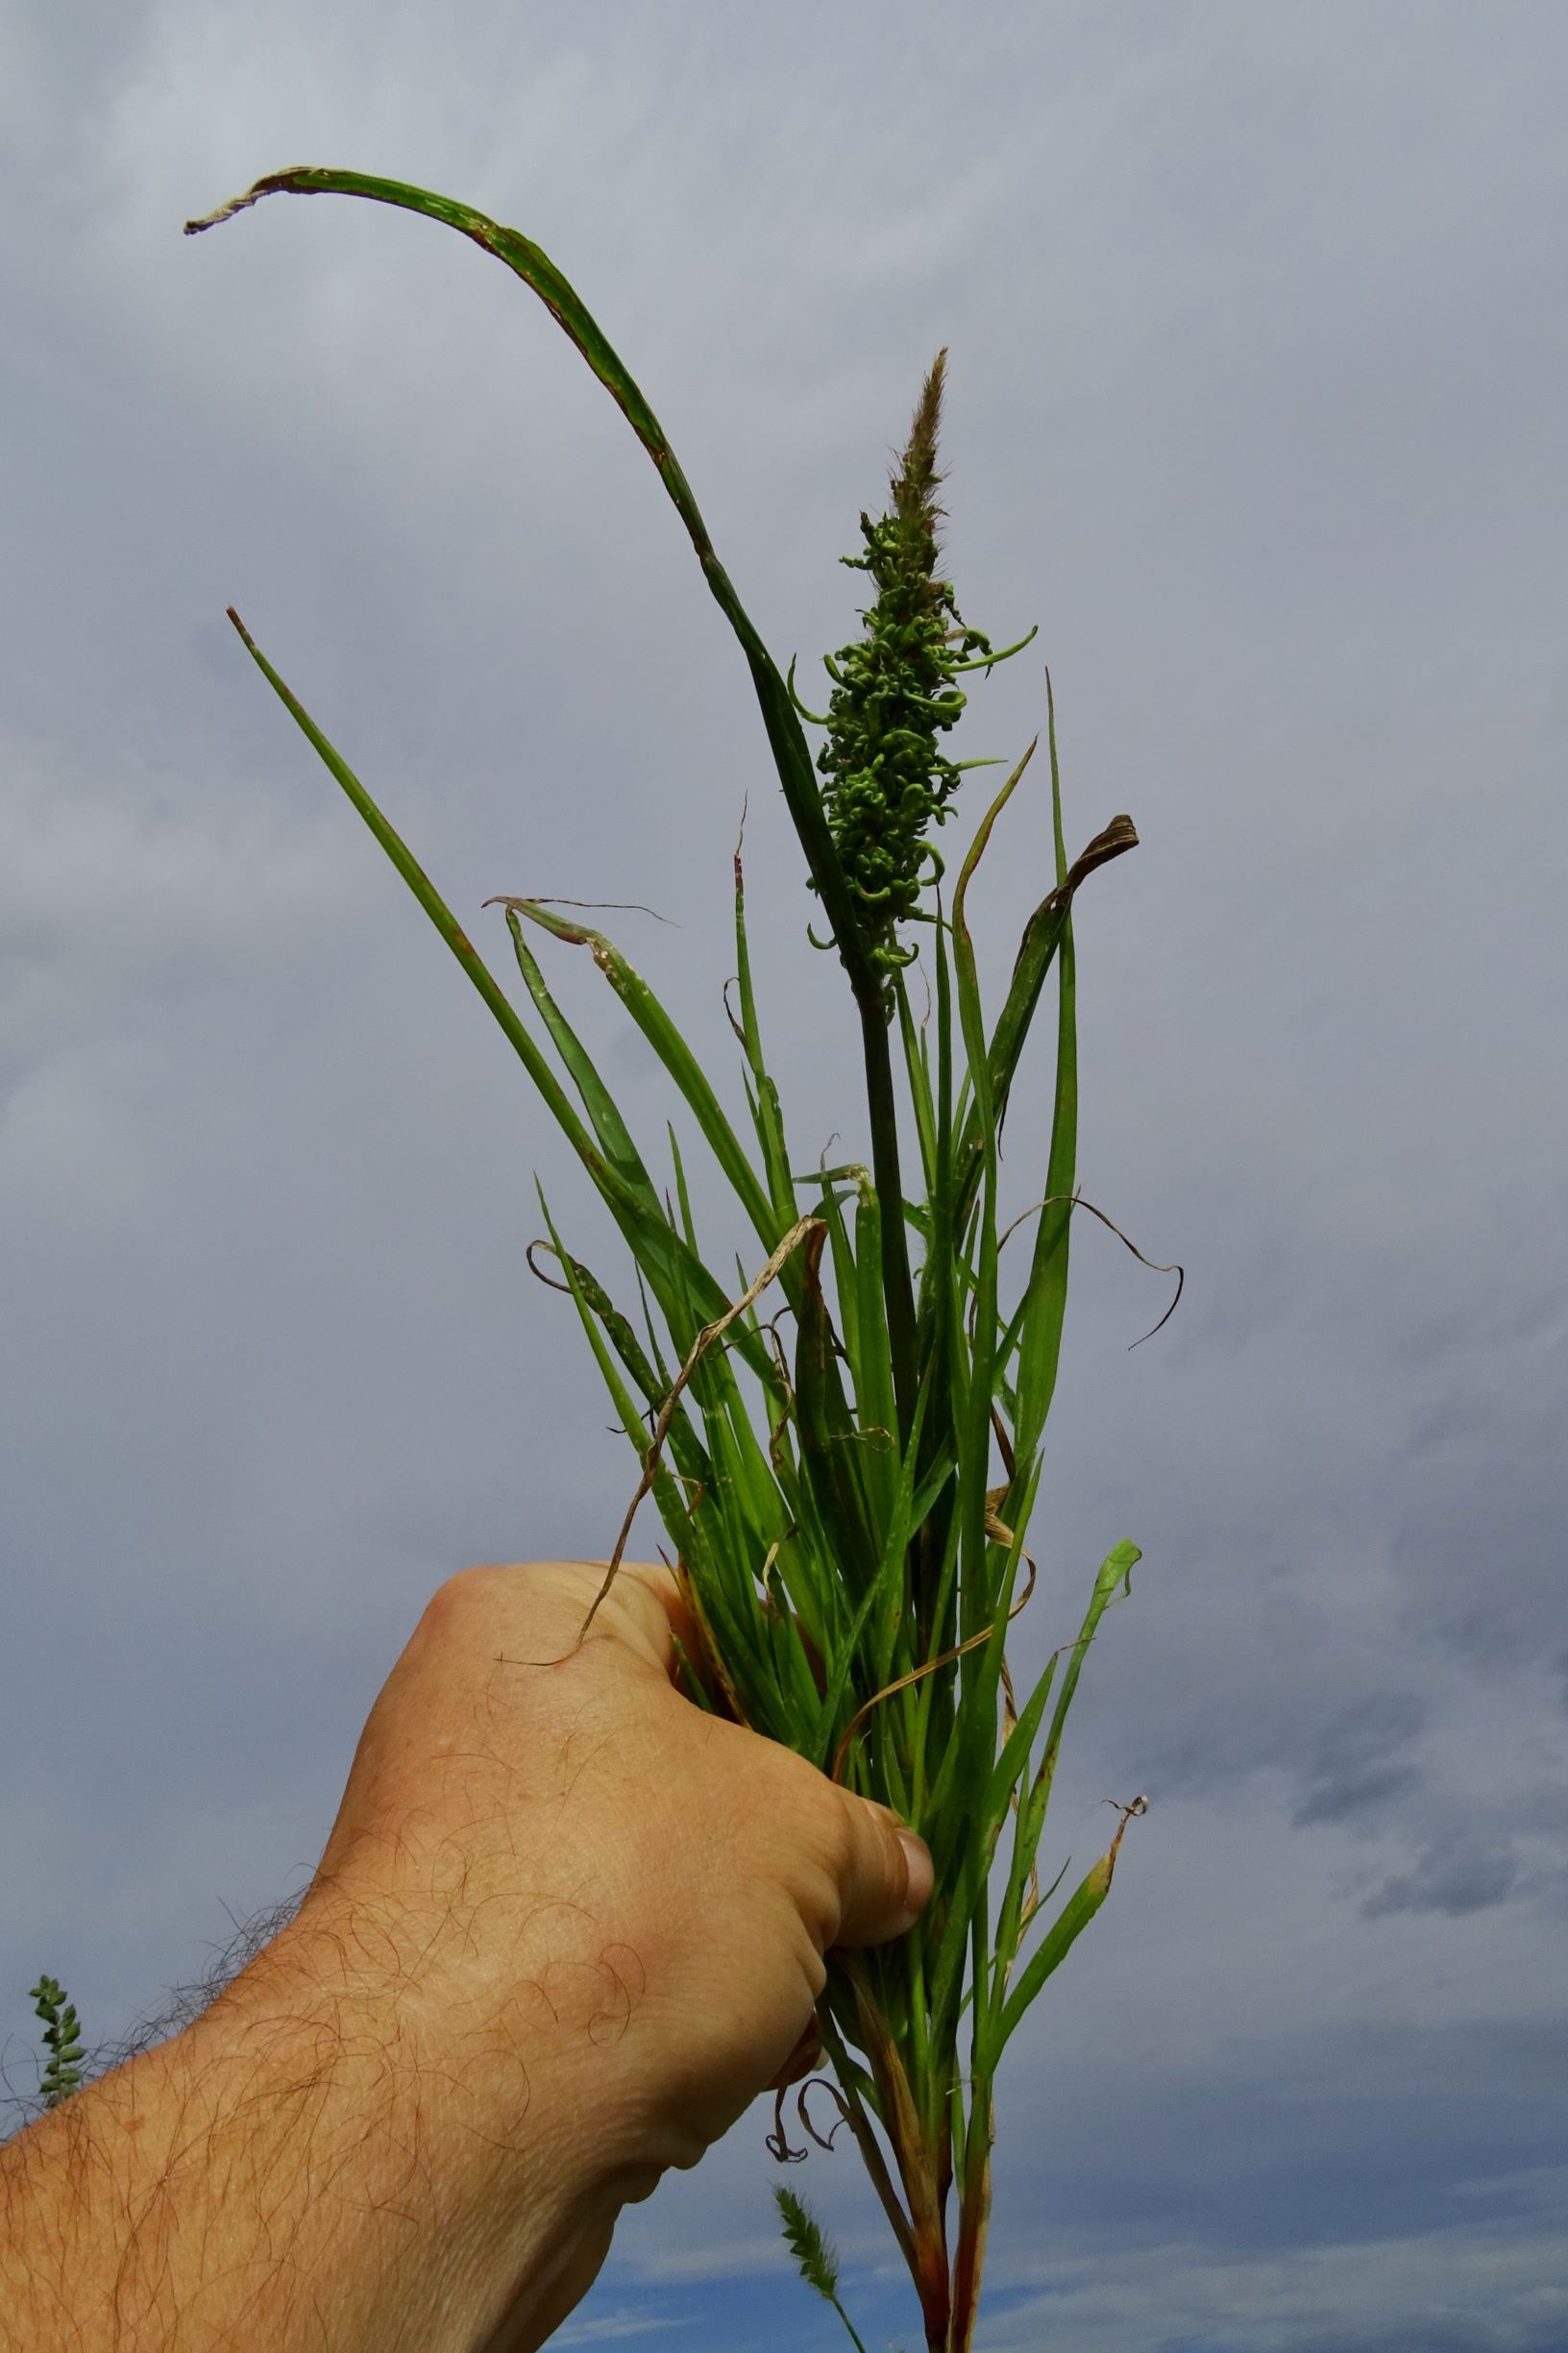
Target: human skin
point(566, 1928)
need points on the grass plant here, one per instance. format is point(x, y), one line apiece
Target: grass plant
point(845, 1447)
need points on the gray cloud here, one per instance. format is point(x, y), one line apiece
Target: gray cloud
point(1458, 1877)
point(1358, 1765)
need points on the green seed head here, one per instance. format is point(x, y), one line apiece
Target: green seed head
point(808, 2243)
point(886, 780)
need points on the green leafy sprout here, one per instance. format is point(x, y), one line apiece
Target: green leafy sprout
point(62, 2073)
point(846, 1500)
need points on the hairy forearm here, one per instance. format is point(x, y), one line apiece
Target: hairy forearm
point(289, 2172)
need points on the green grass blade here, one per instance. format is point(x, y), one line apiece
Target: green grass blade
point(655, 1353)
point(988, 1568)
point(1042, 936)
point(614, 1136)
point(685, 1446)
point(1039, 1343)
point(669, 1497)
point(767, 1118)
point(672, 1265)
point(975, 1446)
point(845, 1289)
point(829, 1444)
point(1115, 1570)
point(917, 1071)
point(1046, 1303)
point(876, 1407)
point(683, 1199)
point(528, 261)
point(674, 1052)
point(882, 1599)
point(940, 1339)
point(1080, 1909)
point(430, 899)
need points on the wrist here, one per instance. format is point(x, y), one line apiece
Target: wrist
point(455, 2190)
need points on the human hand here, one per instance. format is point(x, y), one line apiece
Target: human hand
point(597, 1913)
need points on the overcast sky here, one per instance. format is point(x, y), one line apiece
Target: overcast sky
point(1258, 325)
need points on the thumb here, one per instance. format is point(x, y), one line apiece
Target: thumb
point(887, 1876)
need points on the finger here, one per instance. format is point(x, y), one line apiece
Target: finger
point(888, 1876)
